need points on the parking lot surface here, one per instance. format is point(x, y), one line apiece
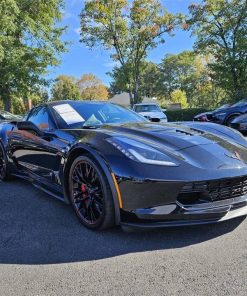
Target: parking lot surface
point(45, 251)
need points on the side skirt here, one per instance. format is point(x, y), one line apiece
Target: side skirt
point(37, 183)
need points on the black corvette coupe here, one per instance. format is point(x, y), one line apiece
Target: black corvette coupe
point(117, 168)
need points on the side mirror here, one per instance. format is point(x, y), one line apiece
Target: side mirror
point(30, 127)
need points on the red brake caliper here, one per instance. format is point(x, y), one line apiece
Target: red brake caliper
point(83, 188)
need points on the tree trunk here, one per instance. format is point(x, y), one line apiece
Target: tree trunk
point(5, 94)
point(131, 99)
point(236, 88)
point(136, 91)
point(7, 104)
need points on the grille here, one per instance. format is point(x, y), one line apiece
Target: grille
point(213, 190)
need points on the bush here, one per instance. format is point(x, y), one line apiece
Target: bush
point(184, 114)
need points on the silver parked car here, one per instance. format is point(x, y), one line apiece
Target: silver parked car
point(151, 111)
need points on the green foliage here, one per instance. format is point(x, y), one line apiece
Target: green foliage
point(179, 96)
point(186, 71)
point(149, 82)
point(65, 88)
point(92, 88)
point(130, 28)
point(184, 114)
point(29, 42)
point(18, 106)
point(88, 87)
point(189, 72)
point(221, 30)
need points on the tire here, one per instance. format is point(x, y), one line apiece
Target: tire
point(90, 194)
point(4, 171)
point(230, 119)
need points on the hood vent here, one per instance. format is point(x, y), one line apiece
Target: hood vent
point(184, 132)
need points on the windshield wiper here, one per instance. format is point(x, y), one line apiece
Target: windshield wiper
point(90, 126)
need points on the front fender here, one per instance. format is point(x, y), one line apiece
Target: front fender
point(79, 148)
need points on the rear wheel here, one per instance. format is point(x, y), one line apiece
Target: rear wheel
point(4, 172)
point(90, 194)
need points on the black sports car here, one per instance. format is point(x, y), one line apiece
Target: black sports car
point(227, 115)
point(207, 116)
point(240, 123)
point(116, 167)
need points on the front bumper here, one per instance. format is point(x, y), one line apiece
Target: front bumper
point(183, 215)
point(240, 127)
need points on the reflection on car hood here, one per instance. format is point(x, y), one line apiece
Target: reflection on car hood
point(208, 146)
point(153, 114)
point(204, 149)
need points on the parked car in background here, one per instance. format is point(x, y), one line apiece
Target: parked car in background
point(207, 116)
point(151, 111)
point(240, 123)
point(6, 116)
point(226, 115)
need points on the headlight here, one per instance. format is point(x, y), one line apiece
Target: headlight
point(140, 152)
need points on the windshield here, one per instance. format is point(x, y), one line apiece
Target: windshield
point(223, 107)
point(240, 103)
point(86, 114)
point(147, 108)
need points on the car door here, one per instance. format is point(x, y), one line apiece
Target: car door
point(38, 155)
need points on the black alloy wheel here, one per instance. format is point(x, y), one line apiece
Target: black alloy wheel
point(90, 194)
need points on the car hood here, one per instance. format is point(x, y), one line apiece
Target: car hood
point(205, 146)
point(204, 149)
point(153, 114)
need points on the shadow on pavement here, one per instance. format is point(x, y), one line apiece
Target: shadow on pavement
point(37, 229)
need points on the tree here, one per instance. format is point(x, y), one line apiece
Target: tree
point(65, 88)
point(190, 73)
point(149, 83)
point(179, 96)
point(130, 29)
point(221, 30)
point(29, 42)
point(92, 88)
point(180, 71)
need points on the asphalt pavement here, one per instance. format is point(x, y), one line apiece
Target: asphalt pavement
point(44, 250)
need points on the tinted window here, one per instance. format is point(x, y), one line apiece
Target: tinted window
point(40, 117)
point(93, 114)
point(147, 108)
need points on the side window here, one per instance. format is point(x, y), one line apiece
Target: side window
point(41, 118)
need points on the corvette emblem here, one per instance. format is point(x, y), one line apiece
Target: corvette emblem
point(236, 155)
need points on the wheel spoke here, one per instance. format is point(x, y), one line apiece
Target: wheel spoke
point(87, 192)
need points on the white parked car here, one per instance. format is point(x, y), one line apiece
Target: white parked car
point(151, 111)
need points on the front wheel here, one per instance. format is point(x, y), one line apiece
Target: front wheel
point(90, 194)
point(230, 119)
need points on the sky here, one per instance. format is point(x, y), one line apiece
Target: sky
point(80, 60)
